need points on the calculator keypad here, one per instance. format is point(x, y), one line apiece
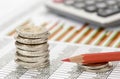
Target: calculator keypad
point(103, 8)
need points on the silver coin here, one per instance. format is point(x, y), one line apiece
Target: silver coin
point(31, 58)
point(32, 64)
point(29, 41)
point(96, 66)
point(29, 31)
point(42, 36)
point(28, 47)
point(103, 68)
point(35, 53)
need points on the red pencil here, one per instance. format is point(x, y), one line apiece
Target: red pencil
point(94, 57)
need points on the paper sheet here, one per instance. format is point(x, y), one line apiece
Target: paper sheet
point(57, 69)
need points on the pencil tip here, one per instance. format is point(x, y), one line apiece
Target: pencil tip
point(66, 60)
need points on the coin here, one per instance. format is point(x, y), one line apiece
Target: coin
point(35, 53)
point(31, 47)
point(105, 69)
point(29, 41)
point(41, 59)
point(30, 31)
point(32, 64)
point(99, 67)
point(95, 65)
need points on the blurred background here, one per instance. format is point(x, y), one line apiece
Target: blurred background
point(14, 13)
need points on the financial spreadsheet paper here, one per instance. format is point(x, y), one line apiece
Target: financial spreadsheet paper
point(57, 69)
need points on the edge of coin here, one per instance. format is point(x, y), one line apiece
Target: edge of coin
point(38, 53)
point(31, 58)
point(96, 67)
point(31, 65)
point(31, 35)
point(27, 47)
point(29, 41)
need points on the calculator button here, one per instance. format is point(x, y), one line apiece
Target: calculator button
point(68, 2)
point(111, 2)
point(58, 1)
point(78, 1)
point(108, 12)
point(101, 5)
point(91, 8)
point(89, 2)
point(79, 5)
point(99, 1)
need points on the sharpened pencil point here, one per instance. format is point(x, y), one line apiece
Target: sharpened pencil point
point(66, 60)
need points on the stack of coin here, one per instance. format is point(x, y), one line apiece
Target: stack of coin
point(96, 67)
point(32, 47)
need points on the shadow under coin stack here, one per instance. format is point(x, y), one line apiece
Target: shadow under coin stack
point(32, 47)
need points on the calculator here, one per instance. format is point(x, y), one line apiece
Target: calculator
point(103, 13)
